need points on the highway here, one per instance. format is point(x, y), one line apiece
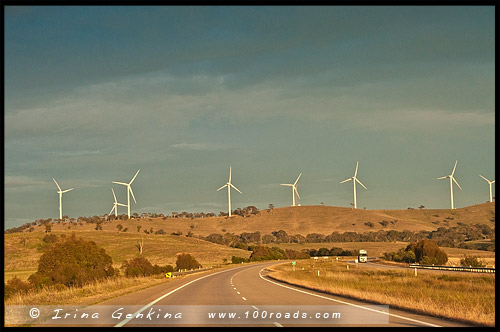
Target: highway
point(247, 291)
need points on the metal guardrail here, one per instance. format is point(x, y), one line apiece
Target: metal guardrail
point(454, 268)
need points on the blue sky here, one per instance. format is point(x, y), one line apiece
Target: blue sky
point(94, 93)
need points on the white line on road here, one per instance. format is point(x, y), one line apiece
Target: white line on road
point(238, 293)
point(125, 321)
point(351, 304)
point(244, 299)
point(255, 308)
point(278, 324)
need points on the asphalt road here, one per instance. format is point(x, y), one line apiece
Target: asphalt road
point(253, 297)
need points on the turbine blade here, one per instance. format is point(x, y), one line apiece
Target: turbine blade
point(286, 184)
point(443, 177)
point(356, 172)
point(346, 180)
point(492, 181)
point(484, 177)
point(456, 183)
point(114, 207)
point(57, 184)
point(454, 167)
point(297, 179)
point(229, 174)
point(134, 176)
point(123, 184)
point(130, 189)
point(236, 189)
point(113, 194)
point(65, 191)
point(121, 204)
point(361, 184)
point(222, 187)
point(295, 189)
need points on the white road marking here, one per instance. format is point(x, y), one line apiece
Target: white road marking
point(255, 307)
point(125, 321)
point(278, 324)
point(351, 304)
point(238, 293)
point(244, 299)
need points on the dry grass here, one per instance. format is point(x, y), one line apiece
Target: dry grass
point(158, 249)
point(377, 249)
point(306, 219)
point(88, 294)
point(465, 297)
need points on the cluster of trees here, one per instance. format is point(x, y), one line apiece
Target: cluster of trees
point(425, 252)
point(74, 262)
point(264, 253)
point(142, 267)
point(335, 251)
point(457, 236)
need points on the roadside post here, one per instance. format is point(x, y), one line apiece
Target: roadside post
point(293, 264)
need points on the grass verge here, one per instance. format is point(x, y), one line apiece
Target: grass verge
point(468, 298)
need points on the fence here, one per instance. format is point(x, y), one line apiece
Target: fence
point(454, 268)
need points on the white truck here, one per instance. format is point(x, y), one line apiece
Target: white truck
point(362, 257)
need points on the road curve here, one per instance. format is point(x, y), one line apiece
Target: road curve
point(256, 300)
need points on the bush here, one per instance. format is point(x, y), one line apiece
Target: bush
point(137, 267)
point(262, 253)
point(50, 238)
point(16, 285)
point(427, 251)
point(238, 260)
point(73, 262)
point(186, 261)
point(472, 261)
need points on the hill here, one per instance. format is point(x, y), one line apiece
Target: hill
point(309, 219)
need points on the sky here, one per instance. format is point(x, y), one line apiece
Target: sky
point(92, 94)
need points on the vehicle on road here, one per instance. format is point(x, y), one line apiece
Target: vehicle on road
point(362, 257)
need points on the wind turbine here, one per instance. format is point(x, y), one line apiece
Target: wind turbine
point(490, 183)
point(229, 185)
point(354, 180)
point(294, 189)
point(129, 191)
point(452, 179)
point(115, 205)
point(60, 192)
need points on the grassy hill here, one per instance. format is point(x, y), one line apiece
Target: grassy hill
point(311, 219)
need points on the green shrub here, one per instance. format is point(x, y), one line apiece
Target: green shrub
point(186, 261)
point(73, 262)
point(427, 248)
point(238, 260)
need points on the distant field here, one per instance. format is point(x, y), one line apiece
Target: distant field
point(309, 219)
point(377, 249)
point(20, 260)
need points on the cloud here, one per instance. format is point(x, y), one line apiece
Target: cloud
point(22, 182)
point(197, 146)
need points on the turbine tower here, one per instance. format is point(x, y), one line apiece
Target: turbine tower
point(452, 179)
point(354, 180)
point(60, 192)
point(229, 185)
point(294, 189)
point(129, 191)
point(490, 183)
point(115, 205)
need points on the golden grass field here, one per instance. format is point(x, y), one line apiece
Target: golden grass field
point(465, 297)
point(22, 261)
point(310, 219)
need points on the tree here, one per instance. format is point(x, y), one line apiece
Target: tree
point(186, 261)
point(72, 262)
point(427, 252)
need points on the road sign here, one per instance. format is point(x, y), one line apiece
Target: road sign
point(168, 275)
point(293, 263)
